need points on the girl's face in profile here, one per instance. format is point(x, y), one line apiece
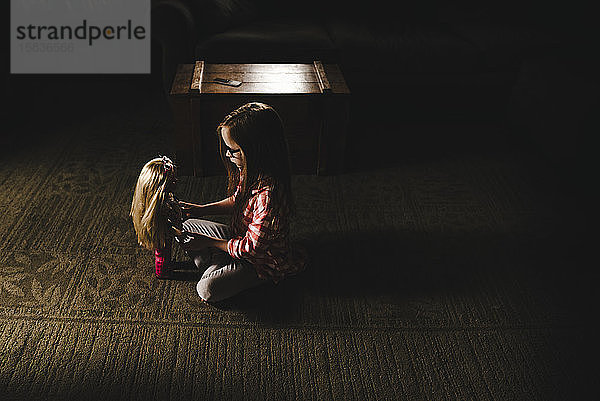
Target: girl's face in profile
point(233, 151)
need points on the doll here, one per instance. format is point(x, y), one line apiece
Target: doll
point(156, 213)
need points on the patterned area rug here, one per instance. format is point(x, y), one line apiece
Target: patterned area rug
point(452, 278)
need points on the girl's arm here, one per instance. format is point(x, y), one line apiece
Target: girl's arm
point(224, 206)
point(201, 241)
point(252, 242)
point(260, 232)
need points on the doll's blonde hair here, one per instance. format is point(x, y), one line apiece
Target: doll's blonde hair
point(156, 179)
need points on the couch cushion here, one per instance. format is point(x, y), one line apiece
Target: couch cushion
point(220, 15)
point(276, 40)
point(504, 46)
point(403, 47)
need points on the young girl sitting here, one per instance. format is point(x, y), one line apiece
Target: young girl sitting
point(255, 248)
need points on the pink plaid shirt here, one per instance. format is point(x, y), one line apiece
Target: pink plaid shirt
point(256, 240)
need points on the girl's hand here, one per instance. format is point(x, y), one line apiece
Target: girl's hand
point(190, 210)
point(197, 242)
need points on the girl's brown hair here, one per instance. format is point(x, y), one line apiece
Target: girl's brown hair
point(258, 130)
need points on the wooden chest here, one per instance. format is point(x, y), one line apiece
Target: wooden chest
point(312, 100)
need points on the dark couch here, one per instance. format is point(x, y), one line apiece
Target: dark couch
point(428, 60)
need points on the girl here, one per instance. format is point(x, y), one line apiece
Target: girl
point(254, 249)
point(155, 211)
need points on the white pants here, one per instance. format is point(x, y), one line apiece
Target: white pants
point(223, 275)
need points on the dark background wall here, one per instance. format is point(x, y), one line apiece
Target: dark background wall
point(551, 108)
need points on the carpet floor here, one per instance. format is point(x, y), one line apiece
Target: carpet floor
point(454, 277)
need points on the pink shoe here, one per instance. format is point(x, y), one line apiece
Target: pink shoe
point(162, 262)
